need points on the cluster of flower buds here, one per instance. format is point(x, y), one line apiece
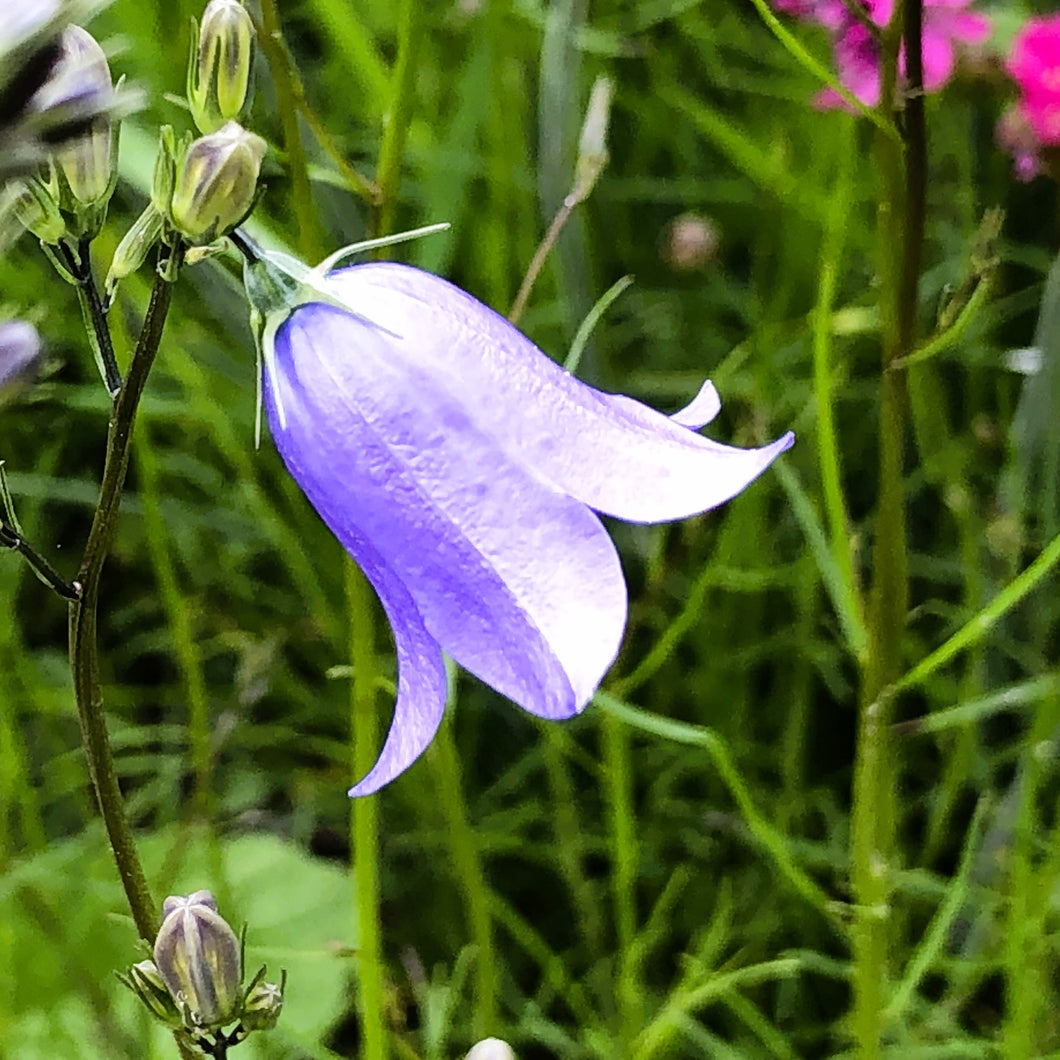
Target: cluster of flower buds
point(195, 985)
point(203, 188)
point(68, 198)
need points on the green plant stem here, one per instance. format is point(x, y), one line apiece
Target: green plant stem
point(623, 841)
point(189, 657)
point(272, 43)
point(827, 440)
point(900, 224)
point(10, 538)
point(395, 131)
point(467, 866)
point(79, 264)
point(84, 649)
point(364, 816)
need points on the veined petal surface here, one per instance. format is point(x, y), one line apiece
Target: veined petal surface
point(609, 451)
point(517, 581)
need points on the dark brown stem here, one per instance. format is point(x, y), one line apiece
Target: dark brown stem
point(915, 173)
point(84, 648)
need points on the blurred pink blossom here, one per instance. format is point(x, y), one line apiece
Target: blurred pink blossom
point(947, 24)
point(1035, 66)
point(1015, 135)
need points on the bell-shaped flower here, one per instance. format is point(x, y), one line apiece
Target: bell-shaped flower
point(463, 470)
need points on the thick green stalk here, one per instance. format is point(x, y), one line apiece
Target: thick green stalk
point(364, 816)
point(84, 649)
point(900, 222)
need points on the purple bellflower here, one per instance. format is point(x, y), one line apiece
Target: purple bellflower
point(462, 469)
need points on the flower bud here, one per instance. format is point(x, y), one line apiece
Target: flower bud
point(82, 74)
point(262, 1007)
point(134, 247)
point(218, 76)
point(592, 144)
point(144, 980)
point(491, 1049)
point(37, 211)
point(216, 183)
point(198, 958)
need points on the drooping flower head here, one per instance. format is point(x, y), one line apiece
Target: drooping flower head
point(463, 470)
point(947, 25)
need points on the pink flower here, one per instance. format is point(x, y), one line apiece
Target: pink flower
point(1035, 66)
point(946, 24)
point(1016, 136)
point(829, 13)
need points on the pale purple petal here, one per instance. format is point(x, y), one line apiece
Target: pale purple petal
point(517, 581)
point(701, 410)
point(19, 349)
point(421, 673)
point(610, 452)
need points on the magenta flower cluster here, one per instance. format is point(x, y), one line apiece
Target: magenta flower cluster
point(947, 26)
point(1034, 123)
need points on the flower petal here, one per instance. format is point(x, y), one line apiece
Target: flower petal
point(609, 451)
point(421, 673)
point(518, 582)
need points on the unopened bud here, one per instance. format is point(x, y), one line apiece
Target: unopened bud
point(219, 73)
point(134, 247)
point(82, 74)
point(491, 1049)
point(37, 211)
point(198, 957)
point(145, 981)
point(216, 183)
point(592, 145)
point(262, 1008)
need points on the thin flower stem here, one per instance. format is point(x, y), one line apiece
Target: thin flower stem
point(10, 538)
point(537, 262)
point(357, 183)
point(388, 169)
point(364, 817)
point(79, 264)
point(467, 866)
point(272, 43)
point(623, 842)
point(84, 649)
point(827, 440)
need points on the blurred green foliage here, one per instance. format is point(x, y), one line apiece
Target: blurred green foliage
point(651, 891)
